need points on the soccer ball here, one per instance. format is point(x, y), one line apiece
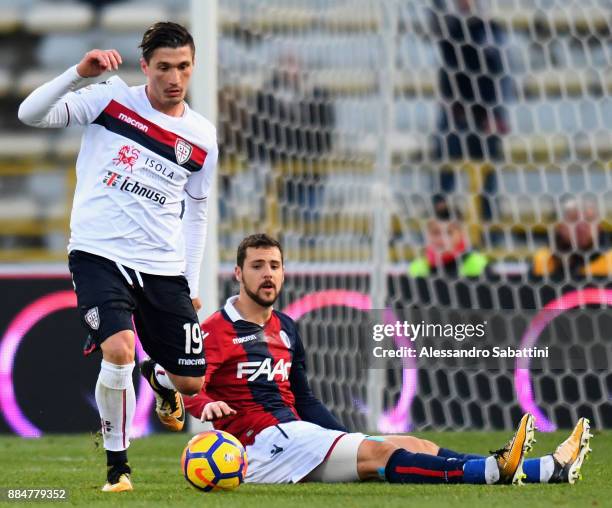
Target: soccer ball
point(214, 460)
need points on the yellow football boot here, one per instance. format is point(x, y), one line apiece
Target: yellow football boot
point(169, 404)
point(570, 454)
point(118, 479)
point(510, 457)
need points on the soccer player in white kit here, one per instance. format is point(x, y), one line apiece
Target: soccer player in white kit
point(138, 224)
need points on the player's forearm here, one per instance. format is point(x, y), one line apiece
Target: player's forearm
point(308, 407)
point(43, 107)
point(195, 405)
point(315, 412)
point(195, 222)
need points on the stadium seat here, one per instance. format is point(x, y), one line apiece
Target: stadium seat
point(16, 208)
point(5, 81)
point(126, 44)
point(554, 147)
point(60, 51)
point(564, 83)
point(58, 17)
point(131, 16)
point(24, 146)
point(562, 20)
point(264, 17)
point(32, 79)
point(10, 18)
point(350, 15)
point(133, 77)
point(67, 146)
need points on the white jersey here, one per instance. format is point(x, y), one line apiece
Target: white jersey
point(134, 168)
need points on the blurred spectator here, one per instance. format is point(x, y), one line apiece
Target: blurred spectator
point(579, 244)
point(473, 84)
point(447, 249)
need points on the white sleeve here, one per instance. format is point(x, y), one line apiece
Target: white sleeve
point(63, 101)
point(198, 184)
point(195, 224)
point(195, 219)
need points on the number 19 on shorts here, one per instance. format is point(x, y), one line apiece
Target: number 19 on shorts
point(193, 338)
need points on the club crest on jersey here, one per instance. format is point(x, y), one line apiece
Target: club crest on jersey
point(285, 338)
point(182, 150)
point(92, 318)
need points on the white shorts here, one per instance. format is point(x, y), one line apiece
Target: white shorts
point(288, 452)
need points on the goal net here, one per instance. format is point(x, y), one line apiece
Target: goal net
point(422, 159)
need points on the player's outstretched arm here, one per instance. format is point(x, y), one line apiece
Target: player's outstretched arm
point(206, 409)
point(45, 108)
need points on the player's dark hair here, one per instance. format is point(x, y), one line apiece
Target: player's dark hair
point(256, 241)
point(165, 34)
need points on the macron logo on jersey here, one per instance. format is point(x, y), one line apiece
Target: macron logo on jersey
point(135, 123)
point(242, 340)
point(192, 361)
point(254, 370)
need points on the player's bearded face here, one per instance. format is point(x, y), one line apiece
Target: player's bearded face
point(168, 74)
point(262, 275)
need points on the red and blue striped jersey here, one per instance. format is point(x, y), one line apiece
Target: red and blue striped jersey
point(259, 371)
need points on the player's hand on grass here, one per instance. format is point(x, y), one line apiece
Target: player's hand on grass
point(98, 61)
point(197, 304)
point(215, 410)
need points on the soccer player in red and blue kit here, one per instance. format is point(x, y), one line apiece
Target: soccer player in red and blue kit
point(256, 389)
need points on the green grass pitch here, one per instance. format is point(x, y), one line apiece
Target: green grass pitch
point(73, 463)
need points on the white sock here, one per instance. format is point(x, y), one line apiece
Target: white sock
point(162, 378)
point(116, 401)
point(547, 468)
point(491, 470)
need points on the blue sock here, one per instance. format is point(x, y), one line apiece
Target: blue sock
point(539, 470)
point(406, 467)
point(450, 454)
point(475, 470)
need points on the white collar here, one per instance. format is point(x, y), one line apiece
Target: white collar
point(231, 311)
